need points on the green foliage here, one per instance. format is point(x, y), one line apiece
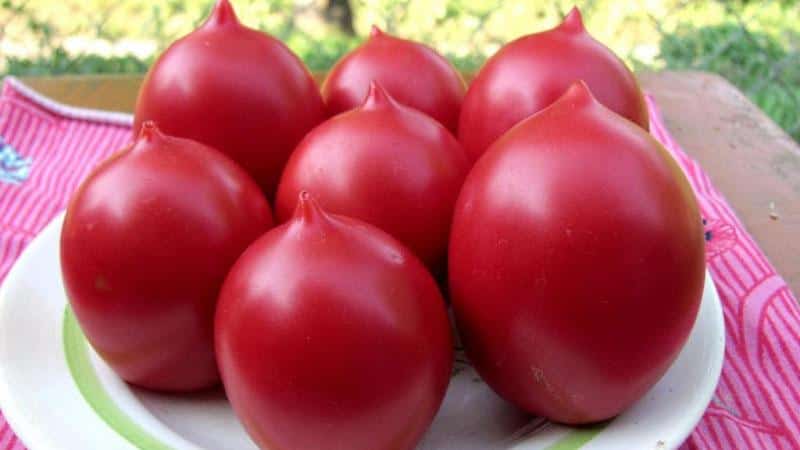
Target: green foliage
point(755, 44)
point(755, 62)
point(320, 54)
point(59, 62)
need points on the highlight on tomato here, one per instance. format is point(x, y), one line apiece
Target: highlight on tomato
point(530, 73)
point(413, 73)
point(147, 241)
point(330, 334)
point(386, 164)
point(236, 89)
point(576, 262)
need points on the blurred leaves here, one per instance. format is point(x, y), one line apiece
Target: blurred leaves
point(60, 63)
point(754, 61)
point(755, 44)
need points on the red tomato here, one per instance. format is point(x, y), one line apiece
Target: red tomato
point(331, 335)
point(147, 241)
point(413, 73)
point(386, 164)
point(235, 89)
point(576, 262)
point(530, 73)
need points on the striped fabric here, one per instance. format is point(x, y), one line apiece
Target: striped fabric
point(757, 403)
point(62, 146)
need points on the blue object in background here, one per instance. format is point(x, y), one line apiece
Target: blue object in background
point(14, 168)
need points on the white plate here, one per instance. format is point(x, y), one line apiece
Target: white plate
point(57, 394)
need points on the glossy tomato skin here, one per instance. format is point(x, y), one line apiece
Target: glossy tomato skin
point(576, 262)
point(330, 335)
point(146, 243)
point(386, 164)
point(531, 72)
point(414, 74)
point(235, 89)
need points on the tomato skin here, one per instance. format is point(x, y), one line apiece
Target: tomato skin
point(576, 262)
point(386, 164)
point(530, 73)
point(330, 335)
point(235, 89)
point(146, 243)
point(413, 73)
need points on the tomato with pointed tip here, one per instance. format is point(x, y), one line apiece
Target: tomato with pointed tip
point(386, 164)
point(236, 89)
point(576, 262)
point(147, 241)
point(331, 335)
point(413, 73)
point(530, 73)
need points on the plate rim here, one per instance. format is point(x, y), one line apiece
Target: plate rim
point(716, 364)
point(33, 436)
point(26, 431)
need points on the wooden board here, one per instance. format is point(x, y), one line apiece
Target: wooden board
point(749, 158)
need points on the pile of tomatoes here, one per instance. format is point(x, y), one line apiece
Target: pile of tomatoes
point(295, 243)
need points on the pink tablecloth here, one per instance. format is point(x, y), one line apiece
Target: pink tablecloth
point(46, 149)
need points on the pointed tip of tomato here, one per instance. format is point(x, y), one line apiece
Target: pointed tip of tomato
point(377, 96)
point(578, 93)
point(308, 210)
point(573, 21)
point(222, 14)
point(375, 31)
point(149, 131)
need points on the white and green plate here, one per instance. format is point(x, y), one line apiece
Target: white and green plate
point(58, 395)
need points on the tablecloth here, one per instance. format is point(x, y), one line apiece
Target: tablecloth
point(46, 149)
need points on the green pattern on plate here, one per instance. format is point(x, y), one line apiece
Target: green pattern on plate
point(577, 438)
point(82, 371)
point(76, 349)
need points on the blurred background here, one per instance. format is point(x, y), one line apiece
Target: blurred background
point(754, 44)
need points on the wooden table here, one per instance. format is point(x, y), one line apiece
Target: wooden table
point(749, 158)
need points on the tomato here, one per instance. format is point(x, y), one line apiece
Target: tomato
point(146, 243)
point(413, 73)
point(332, 335)
point(235, 89)
point(386, 164)
point(576, 262)
point(530, 73)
